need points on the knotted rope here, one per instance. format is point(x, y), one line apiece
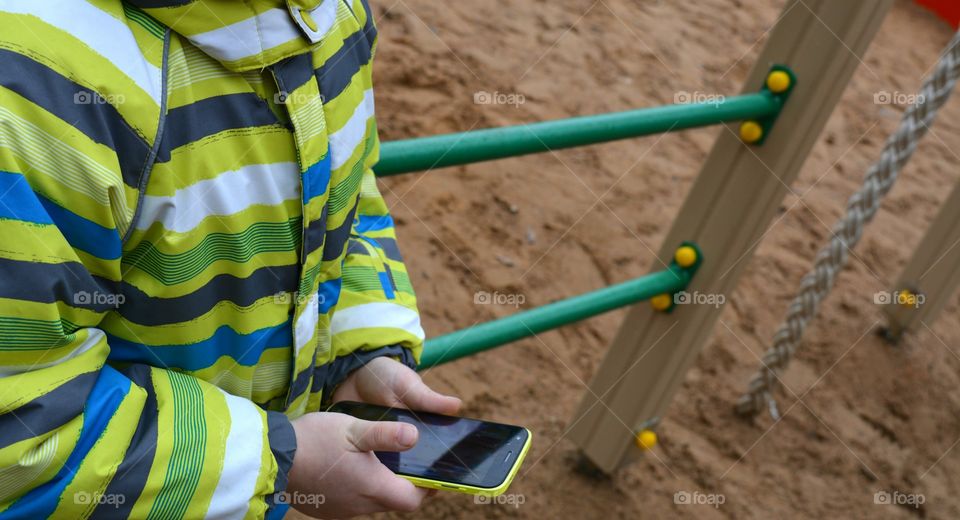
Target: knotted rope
point(861, 208)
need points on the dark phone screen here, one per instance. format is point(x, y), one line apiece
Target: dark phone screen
point(450, 449)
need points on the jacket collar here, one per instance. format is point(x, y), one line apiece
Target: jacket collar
point(249, 34)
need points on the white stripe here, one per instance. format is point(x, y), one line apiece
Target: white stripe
point(30, 465)
point(55, 158)
point(244, 39)
point(93, 338)
point(344, 141)
point(324, 17)
point(191, 65)
point(306, 324)
point(312, 123)
point(379, 315)
point(242, 458)
point(105, 34)
point(228, 193)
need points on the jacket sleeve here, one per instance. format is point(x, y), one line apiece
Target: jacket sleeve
point(376, 313)
point(80, 437)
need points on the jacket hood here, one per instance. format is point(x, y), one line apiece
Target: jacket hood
point(246, 34)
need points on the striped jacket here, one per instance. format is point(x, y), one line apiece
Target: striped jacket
point(193, 249)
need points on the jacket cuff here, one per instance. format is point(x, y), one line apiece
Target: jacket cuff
point(340, 368)
point(283, 445)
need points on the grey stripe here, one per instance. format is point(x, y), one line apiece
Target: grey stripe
point(393, 283)
point(336, 239)
point(338, 71)
point(354, 247)
point(283, 445)
point(316, 232)
point(47, 412)
point(131, 476)
point(78, 106)
point(68, 282)
point(329, 376)
point(143, 309)
point(190, 123)
point(388, 245)
point(293, 72)
point(302, 381)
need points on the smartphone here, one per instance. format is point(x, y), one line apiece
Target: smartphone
point(452, 453)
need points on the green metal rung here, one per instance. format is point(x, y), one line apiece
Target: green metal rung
point(491, 334)
point(425, 153)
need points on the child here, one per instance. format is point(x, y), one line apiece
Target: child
point(194, 260)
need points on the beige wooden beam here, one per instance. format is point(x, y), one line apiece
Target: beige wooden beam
point(931, 276)
point(726, 213)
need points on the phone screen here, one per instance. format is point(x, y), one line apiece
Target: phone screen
point(450, 449)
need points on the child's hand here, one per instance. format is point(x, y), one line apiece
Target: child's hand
point(335, 473)
point(387, 382)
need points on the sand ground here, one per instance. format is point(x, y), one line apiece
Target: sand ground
point(872, 417)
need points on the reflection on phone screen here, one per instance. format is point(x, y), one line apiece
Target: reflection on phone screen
point(450, 449)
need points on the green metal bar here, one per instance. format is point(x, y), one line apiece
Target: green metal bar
point(492, 334)
point(439, 151)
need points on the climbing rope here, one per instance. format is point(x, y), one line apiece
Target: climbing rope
point(861, 208)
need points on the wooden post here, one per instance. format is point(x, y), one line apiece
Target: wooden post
point(726, 213)
point(931, 276)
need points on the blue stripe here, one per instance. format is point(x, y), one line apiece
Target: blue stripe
point(84, 234)
point(245, 349)
point(329, 294)
point(367, 223)
point(278, 512)
point(18, 201)
point(387, 285)
point(101, 405)
point(316, 179)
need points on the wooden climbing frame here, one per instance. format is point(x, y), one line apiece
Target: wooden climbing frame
point(726, 213)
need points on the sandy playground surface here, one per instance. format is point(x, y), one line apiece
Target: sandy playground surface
point(872, 417)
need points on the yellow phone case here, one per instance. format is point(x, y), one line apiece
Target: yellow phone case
point(473, 490)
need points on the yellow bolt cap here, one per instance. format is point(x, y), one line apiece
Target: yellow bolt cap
point(778, 81)
point(685, 256)
point(751, 131)
point(661, 302)
point(646, 439)
point(906, 298)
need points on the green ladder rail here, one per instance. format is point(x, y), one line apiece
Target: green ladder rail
point(491, 334)
point(438, 151)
